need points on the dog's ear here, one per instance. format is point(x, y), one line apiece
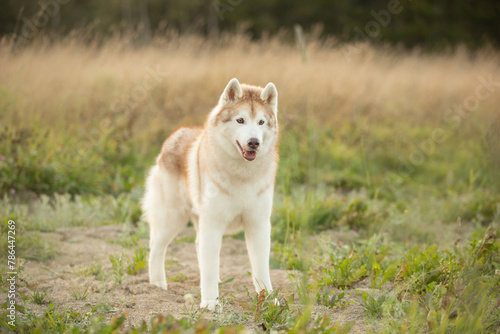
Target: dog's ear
point(270, 96)
point(232, 92)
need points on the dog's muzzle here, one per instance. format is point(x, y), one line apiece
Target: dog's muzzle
point(251, 153)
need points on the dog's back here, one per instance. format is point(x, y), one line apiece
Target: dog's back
point(173, 156)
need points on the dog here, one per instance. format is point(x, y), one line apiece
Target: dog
point(221, 177)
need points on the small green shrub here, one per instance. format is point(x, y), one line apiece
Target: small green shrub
point(372, 306)
point(345, 267)
point(118, 267)
point(287, 257)
point(271, 309)
point(331, 298)
point(138, 263)
point(95, 269)
point(178, 278)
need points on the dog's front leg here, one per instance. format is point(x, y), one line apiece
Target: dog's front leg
point(210, 239)
point(258, 239)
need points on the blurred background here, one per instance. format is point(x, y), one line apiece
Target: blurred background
point(428, 24)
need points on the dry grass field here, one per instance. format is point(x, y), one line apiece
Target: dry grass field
point(75, 83)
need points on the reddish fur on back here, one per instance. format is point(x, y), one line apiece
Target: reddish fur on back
point(173, 154)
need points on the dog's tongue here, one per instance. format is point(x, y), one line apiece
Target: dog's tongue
point(250, 155)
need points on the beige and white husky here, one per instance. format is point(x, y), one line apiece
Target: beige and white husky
point(221, 177)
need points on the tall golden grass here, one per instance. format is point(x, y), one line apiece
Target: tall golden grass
point(75, 83)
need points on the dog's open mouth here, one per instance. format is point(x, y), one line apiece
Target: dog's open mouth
point(247, 154)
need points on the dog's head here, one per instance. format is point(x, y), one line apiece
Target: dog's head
point(246, 118)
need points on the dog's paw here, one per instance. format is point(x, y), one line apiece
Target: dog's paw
point(160, 284)
point(211, 305)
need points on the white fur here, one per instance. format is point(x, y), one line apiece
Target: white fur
point(232, 88)
point(223, 193)
point(270, 94)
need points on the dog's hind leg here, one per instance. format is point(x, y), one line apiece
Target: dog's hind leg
point(164, 212)
point(160, 237)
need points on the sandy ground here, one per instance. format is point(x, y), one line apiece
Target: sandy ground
point(80, 248)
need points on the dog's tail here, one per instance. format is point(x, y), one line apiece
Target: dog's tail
point(153, 199)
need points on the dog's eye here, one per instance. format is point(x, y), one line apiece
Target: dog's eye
point(240, 120)
point(261, 122)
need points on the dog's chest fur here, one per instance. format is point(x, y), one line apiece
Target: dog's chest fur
point(233, 188)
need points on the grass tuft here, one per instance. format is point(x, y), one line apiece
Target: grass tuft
point(78, 293)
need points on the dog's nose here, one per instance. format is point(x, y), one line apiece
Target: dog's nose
point(253, 143)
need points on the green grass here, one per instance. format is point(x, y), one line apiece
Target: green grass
point(79, 293)
point(29, 245)
point(371, 305)
point(177, 278)
point(94, 269)
point(40, 297)
point(399, 248)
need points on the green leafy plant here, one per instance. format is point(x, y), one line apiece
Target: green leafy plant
point(372, 306)
point(95, 269)
point(288, 257)
point(331, 298)
point(270, 309)
point(118, 267)
point(138, 263)
point(178, 278)
point(345, 269)
point(321, 323)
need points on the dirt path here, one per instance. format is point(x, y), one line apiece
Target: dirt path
point(80, 249)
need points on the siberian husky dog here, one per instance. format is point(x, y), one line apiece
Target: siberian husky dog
point(221, 177)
